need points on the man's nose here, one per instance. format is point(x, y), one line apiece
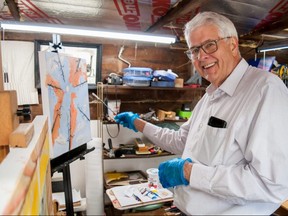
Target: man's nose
point(201, 54)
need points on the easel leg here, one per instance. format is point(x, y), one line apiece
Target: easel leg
point(68, 190)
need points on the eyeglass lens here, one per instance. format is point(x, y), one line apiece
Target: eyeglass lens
point(208, 48)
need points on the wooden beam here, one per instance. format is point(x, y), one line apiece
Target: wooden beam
point(273, 28)
point(179, 9)
point(13, 9)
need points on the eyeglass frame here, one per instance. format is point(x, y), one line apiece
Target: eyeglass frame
point(189, 53)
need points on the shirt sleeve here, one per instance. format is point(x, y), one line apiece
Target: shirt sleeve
point(167, 139)
point(262, 175)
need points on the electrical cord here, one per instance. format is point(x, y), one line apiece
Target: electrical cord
point(108, 132)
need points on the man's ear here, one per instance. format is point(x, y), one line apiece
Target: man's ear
point(234, 45)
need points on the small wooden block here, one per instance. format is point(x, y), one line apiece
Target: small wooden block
point(22, 136)
point(142, 147)
point(165, 115)
point(8, 117)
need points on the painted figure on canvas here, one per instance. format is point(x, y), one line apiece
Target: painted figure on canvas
point(67, 91)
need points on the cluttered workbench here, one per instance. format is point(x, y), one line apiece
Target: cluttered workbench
point(132, 192)
point(127, 165)
point(139, 149)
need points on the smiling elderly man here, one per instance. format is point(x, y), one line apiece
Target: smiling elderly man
point(234, 147)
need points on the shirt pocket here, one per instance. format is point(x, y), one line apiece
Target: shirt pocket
point(211, 146)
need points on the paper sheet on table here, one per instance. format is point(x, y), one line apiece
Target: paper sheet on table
point(120, 193)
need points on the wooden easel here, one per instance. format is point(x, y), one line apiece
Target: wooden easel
point(62, 163)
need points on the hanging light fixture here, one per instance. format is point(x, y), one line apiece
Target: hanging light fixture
point(273, 45)
point(85, 31)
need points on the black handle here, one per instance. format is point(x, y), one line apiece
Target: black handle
point(110, 143)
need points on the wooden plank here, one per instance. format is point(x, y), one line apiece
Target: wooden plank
point(25, 174)
point(8, 117)
point(22, 135)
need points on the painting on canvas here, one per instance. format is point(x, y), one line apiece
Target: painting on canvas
point(64, 91)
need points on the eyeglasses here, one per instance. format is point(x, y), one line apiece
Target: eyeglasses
point(208, 47)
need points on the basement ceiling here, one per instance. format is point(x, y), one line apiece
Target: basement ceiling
point(256, 20)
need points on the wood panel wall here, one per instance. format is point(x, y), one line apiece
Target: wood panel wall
point(154, 56)
point(138, 54)
point(145, 56)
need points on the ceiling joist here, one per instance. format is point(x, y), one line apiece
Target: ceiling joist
point(181, 8)
point(13, 9)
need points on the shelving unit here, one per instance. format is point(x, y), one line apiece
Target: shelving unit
point(140, 99)
point(127, 156)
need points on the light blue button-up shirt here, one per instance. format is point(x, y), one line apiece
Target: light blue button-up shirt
point(240, 169)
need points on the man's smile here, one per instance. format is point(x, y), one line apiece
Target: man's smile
point(208, 65)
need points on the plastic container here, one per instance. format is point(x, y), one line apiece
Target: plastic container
point(165, 75)
point(184, 114)
point(138, 71)
point(163, 84)
point(136, 81)
point(153, 178)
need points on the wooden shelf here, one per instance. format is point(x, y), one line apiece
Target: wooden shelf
point(150, 87)
point(153, 122)
point(140, 99)
point(135, 156)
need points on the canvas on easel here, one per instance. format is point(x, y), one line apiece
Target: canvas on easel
point(65, 100)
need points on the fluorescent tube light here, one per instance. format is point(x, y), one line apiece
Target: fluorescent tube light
point(85, 31)
point(273, 49)
point(273, 45)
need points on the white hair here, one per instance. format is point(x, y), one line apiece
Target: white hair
point(225, 26)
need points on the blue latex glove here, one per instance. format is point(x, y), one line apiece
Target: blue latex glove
point(171, 172)
point(127, 120)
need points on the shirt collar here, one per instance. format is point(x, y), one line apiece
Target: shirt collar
point(232, 81)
